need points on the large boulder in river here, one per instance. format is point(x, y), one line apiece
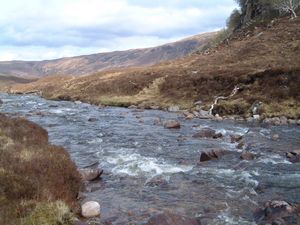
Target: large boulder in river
point(278, 212)
point(90, 174)
point(293, 156)
point(168, 218)
point(207, 133)
point(1, 102)
point(211, 154)
point(172, 124)
point(90, 209)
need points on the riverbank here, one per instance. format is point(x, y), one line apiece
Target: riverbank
point(262, 60)
point(38, 181)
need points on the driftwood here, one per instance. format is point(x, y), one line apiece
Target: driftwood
point(234, 91)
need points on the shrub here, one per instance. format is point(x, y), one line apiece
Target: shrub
point(234, 20)
point(33, 171)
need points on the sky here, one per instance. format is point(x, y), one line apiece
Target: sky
point(48, 29)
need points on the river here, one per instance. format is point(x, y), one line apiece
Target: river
point(149, 169)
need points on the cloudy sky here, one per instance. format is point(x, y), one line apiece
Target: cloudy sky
point(47, 29)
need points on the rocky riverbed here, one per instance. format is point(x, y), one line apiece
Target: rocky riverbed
point(150, 168)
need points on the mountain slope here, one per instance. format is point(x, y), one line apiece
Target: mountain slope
point(7, 80)
point(263, 61)
point(82, 65)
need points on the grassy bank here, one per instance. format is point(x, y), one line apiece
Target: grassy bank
point(38, 181)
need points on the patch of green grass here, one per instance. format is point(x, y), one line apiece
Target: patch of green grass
point(232, 107)
point(49, 213)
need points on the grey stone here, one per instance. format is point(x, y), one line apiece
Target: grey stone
point(90, 209)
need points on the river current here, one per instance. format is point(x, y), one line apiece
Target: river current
point(149, 169)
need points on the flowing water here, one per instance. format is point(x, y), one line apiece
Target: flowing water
point(149, 169)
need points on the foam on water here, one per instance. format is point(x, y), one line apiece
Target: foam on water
point(228, 219)
point(243, 176)
point(62, 110)
point(137, 165)
point(273, 159)
point(95, 141)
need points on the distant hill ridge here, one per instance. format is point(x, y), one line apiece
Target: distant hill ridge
point(87, 64)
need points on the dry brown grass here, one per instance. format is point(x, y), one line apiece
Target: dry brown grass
point(32, 172)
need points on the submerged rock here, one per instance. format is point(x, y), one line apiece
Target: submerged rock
point(172, 124)
point(207, 133)
point(92, 119)
point(90, 209)
point(168, 218)
point(53, 106)
point(293, 156)
point(240, 145)
point(211, 154)
point(156, 181)
point(1, 102)
point(275, 137)
point(247, 156)
point(157, 121)
point(90, 174)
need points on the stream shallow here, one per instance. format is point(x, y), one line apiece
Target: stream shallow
point(149, 169)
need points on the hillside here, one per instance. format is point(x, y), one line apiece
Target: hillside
point(7, 80)
point(263, 60)
point(86, 64)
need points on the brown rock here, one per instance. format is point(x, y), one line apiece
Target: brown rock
point(293, 156)
point(207, 133)
point(90, 174)
point(247, 156)
point(172, 219)
point(236, 138)
point(172, 124)
point(211, 154)
point(189, 116)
